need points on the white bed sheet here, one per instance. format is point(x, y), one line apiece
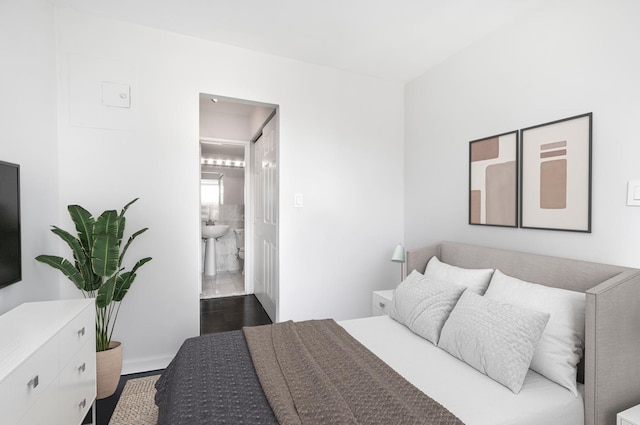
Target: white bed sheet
point(467, 393)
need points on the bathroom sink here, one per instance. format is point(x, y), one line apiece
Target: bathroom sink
point(214, 230)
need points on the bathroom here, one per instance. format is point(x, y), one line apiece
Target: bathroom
point(227, 129)
point(222, 204)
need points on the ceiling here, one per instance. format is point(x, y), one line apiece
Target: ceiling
point(391, 39)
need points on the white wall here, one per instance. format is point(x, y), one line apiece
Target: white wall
point(341, 138)
point(567, 58)
point(28, 137)
point(233, 182)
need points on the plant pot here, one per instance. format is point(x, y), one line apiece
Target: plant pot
point(108, 369)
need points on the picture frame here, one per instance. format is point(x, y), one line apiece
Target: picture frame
point(555, 160)
point(493, 180)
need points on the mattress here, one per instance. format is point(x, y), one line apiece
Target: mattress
point(473, 397)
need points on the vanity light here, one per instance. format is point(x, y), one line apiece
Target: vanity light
point(222, 162)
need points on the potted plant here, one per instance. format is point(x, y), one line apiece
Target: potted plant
point(97, 270)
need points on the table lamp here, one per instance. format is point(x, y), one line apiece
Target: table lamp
point(398, 257)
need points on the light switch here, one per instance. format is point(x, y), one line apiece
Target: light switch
point(298, 200)
point(633, 193)
point(117, 95)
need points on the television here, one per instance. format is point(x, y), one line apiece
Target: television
point(10, 246)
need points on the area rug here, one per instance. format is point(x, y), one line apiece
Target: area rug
point(136, 405)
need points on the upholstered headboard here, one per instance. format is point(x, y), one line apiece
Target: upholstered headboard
point(612, 315)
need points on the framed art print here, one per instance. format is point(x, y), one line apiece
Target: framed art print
point(556, 175)
point(493, 180)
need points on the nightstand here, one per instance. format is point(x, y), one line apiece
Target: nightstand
point(629, 417)
point(381, 302)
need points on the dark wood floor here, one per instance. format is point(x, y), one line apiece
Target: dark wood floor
point(216, 315)
point(231, 313)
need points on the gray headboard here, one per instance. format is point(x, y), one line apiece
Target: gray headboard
point(612, 315)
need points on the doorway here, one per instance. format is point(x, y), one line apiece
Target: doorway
point(223, 173)
point(235, 176)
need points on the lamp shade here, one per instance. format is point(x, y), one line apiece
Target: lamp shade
point(398, 254)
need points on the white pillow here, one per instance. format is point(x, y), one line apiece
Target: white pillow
point(476, 280)
point(423, 304)
point(560, 348)
point(495, 338)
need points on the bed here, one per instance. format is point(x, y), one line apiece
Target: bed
point(215, 378)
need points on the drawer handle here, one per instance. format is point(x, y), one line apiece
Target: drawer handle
point(381, 304)
point(34, 382)
point(81, 332)
point(82, 367)
point(83, 403)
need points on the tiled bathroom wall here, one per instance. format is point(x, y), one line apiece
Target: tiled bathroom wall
point(226, 248)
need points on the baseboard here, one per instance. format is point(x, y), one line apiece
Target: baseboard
point(145, 365)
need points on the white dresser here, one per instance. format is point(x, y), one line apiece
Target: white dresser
point(47, 363)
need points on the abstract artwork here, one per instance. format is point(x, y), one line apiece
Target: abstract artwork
point(493, 180)
point(556, 175)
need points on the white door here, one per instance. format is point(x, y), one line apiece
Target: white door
point(265, 206)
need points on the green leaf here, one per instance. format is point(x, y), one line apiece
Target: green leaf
point(122, 285)
point(74, 244)
point(107, 224)
point(140, 263)
point(83, 221)
point(126, 207)
point(126, 279)
point(105, 293)
point(121, 223)
point(92, 280)
point(65, 267)
point(105, 255)
point(131, 238)
point(97, 281)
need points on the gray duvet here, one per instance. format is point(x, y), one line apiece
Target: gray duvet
point(212, 381)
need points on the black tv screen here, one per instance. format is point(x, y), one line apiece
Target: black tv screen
point(10, 247)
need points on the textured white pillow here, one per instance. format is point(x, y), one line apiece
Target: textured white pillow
point(476, 280)
point(496, 339)
point(423, 304)
point(560, 348)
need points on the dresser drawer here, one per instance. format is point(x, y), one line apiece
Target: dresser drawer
point(78, 385)
point(27, 383)
point(76, 333)
point(46, 410)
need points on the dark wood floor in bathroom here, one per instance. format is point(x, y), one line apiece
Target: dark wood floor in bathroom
point(216, 315)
